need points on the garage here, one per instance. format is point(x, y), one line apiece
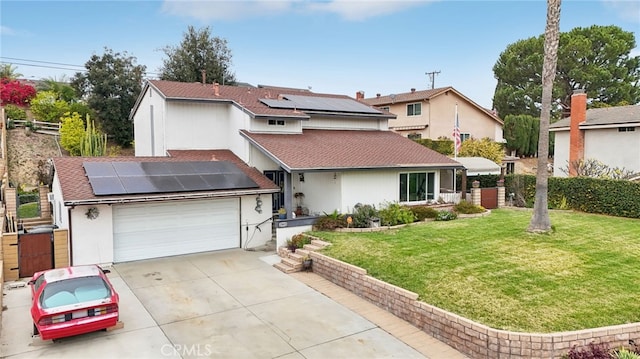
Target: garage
point(160, 229)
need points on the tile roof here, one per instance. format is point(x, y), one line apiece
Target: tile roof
point(76, 187)
point(344, 149)
point(248, 98)
point(619, 115)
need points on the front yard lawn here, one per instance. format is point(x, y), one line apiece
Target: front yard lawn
point(584, 275)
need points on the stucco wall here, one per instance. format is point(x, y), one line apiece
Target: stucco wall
point(194, 126)
point(92, 239)
point(332, 123)
point(250, 219)
point(560, 153)
point(614, 148)
point(152, 102)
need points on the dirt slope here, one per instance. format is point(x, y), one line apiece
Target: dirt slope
point(26, 152)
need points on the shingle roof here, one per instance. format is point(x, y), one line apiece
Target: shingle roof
point(248, 98)
point(76, 187)
point(619, 115)
point(344, 149)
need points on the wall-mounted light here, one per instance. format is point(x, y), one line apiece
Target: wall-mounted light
point(301, 176)
point(258, 204)
point(335, 175)
point(92, 213)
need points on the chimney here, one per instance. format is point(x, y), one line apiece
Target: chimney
point(377, 95)
point(576, 136)
point(204, 76)
point(413, 90)
point(216, 89)
point(360, 95)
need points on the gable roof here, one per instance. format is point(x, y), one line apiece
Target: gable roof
point(414, 96)
point(346, 150)
point(263, 101)
point(603, 117)
point(77, 190)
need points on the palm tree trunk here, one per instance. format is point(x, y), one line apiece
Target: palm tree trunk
point(540, 221)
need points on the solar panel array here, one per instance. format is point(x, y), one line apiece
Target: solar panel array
point(111, 178)
point(318, 103)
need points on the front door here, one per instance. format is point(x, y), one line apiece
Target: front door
point(278, 198)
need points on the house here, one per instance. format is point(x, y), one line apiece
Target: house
point(119, 209)
point(430, 114)
point(610, 135)
point(333, 149)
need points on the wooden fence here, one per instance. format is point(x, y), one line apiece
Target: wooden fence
point(37, 126)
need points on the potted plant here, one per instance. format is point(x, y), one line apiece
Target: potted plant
point(306, 262)
point(282, 213)
point(298, 196)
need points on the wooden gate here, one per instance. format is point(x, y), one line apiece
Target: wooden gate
point(489, 198)
point(35, 252)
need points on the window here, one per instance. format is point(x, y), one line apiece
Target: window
point(417, 186)
point(414, 109)
point(414, 136)
point(385, 108)
point(276, 122)
point(464, 137)
point(626, 129)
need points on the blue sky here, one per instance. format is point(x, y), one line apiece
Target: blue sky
point(332, 46)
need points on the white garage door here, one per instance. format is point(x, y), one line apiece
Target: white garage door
point(142, 231)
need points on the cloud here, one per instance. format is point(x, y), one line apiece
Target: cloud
point(6, 31)
point(628, 10)
point(351, 10)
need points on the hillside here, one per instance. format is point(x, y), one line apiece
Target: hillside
point(28, 155)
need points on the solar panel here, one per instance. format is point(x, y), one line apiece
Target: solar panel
point(318, 103)
point(111, 178)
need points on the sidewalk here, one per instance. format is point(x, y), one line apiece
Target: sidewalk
point(409, 334)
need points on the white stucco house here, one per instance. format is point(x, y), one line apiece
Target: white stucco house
point(274, 143)
point(610, 135)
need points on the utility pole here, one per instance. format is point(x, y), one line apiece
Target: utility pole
point(432, 77)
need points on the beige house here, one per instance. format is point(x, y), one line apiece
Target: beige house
point(431, 114)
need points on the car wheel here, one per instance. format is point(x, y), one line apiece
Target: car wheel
point(35, 329)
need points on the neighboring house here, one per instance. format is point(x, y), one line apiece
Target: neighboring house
point(119, 209)
point(430, 114)
point(610, 135)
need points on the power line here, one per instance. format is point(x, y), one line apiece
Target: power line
point(36, 63)
point(42, 62)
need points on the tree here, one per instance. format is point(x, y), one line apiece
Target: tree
point(198, 52)
point(61, 88)
point(540, 221)
point(111, 86)
point(8, 72)
point(482, 148)
point(47, 107)
point(521, 134)
point(597, 59)
point(71, 133)
point(591, 167)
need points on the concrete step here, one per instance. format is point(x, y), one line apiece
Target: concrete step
point(320, 243)
point(285, 268)
point(302, 252)
point(312, 247)
point(291, 263)
point(297, 256)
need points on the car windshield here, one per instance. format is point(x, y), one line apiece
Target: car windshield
point(74, 290)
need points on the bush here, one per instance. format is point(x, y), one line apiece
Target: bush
point(393, 214)
point(362, 214)
point(15, 92)
point(297, 241)
point(46, 107)
point(465, 207)
point(329, 222)
point(15, 112)
point(423, 212)
point(446, 216)
point(72, 133)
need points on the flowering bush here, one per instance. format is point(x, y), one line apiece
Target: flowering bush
point(15, 92)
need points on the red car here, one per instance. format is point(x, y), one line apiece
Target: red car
point(71, 301)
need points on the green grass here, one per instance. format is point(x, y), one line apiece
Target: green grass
point(585, 274)
point(28, 210)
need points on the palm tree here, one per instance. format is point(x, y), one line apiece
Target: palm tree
point(61, 88)
point(8, 72)
point(540, 221)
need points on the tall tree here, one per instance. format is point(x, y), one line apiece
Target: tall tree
point(540, 221)
point(8, 72)
point(200, 55)
point(111, 86)
point(596, 58)
point(60, 87)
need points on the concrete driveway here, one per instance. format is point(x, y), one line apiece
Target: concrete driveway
point(226, 304)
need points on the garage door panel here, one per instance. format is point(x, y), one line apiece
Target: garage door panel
point(164, 229)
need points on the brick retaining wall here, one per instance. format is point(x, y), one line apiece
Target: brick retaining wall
point(471, 338)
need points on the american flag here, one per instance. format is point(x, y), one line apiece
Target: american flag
point(456, 134)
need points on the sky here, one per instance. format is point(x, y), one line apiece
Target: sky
point(330, 46)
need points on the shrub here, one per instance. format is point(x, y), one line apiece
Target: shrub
point(362, 214)
point(15, 112)
point(329, 222)
point(72, 133)
point(465, 207)
point(423, 212)
point(15, 92)
point(297, 241)
point(393, 214)
point(46, 107)
point(446, 216)
point(593, 351)
point(623, 353)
